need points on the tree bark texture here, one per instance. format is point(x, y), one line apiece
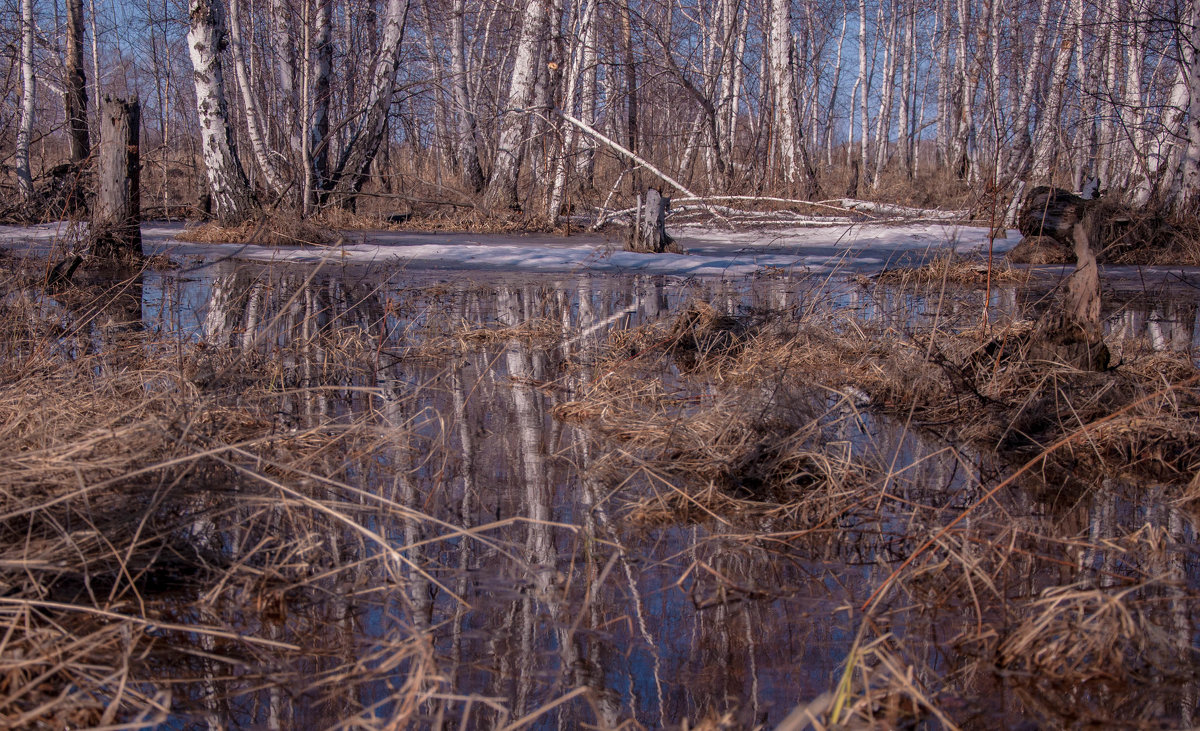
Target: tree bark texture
point(649, 232)
point(502, 189)
point(116, 220)
point(232, 199)
point(28, 89)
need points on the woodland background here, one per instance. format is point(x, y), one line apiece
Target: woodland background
point(444, 106)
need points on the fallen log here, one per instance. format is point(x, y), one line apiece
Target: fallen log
point(891, 209)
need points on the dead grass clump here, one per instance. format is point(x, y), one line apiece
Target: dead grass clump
point(744, 452)
point(267, 230)
point(1040, 251)
point(1074, 635)
point(154, 534)
point(953, 269)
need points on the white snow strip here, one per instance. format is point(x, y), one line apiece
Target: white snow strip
point(707, 251)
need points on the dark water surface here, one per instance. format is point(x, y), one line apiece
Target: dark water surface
point(558, 604)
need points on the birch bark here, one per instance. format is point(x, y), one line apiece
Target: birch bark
point(468, 149)
point(355, 161)
point(251, 109)
point(1043, 156)
point(232, 199)
point(28, 89)
point(1189, 193)
point(502, 189)
point(782, 68)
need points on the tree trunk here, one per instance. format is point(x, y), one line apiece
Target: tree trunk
point(864, 87)
point(28, 89)
point(1019, 158)
point(883, 123)
point(318, 137)
point(283, 37)
point(796, 167)
point(251, 109)
point(116, 223)
point(468, 148)
point(232, 199)
point(356, 159)
point(1045, 140)
point(631, 101)
point(1189, 193)
point(75, 95)
point(649, 233)
point(502, 189)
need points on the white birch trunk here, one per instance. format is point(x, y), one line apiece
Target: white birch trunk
point(1046, 138)
point(833, 94)
point(1161, 151)
point(502, 189)
point(468, 149)
point(28, 89)
point(574, 72)
point(1023, 139)
point(779, 52)
point(317, 137)
point(1189, 193)
point(360, 151)
point(883, 123)
point(1133, 111)
point(283, 34)
point(907, 83)
point(864, 81)
point(941, 51)
point(251, 109)
point(232, 200)
point(1107, 110)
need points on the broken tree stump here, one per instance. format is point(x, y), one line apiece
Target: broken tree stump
point(116, 221)
point(1047, 222)
point(1075, 336)
point(649, 232)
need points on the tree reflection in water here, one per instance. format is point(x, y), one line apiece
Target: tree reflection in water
point(519, 588)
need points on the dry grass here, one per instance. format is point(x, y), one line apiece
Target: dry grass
point(953, 269)
point(274, 229)
point(153, 533)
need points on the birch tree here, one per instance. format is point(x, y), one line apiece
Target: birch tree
point(468, 148)
point(793, 155)
point(355, 161)
point(251, 109)
point(28, 89)
point(1189, 194)
point(232, 199)
point(502, 189)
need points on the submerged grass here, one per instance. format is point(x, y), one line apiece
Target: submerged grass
point(740, 422)
point(189, 525)
point(153, 533)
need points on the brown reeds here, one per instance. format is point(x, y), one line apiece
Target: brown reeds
point(153, 533)
point(272, 229)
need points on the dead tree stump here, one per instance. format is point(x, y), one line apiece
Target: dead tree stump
point(649, 233)
point(1075, 335)
point(1051, 212)
point(116, 220)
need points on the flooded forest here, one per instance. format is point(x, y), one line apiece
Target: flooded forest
point(600, 364)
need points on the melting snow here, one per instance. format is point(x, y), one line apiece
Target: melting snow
point(708, 251)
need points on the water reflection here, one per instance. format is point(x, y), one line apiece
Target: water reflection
point(517, 568)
